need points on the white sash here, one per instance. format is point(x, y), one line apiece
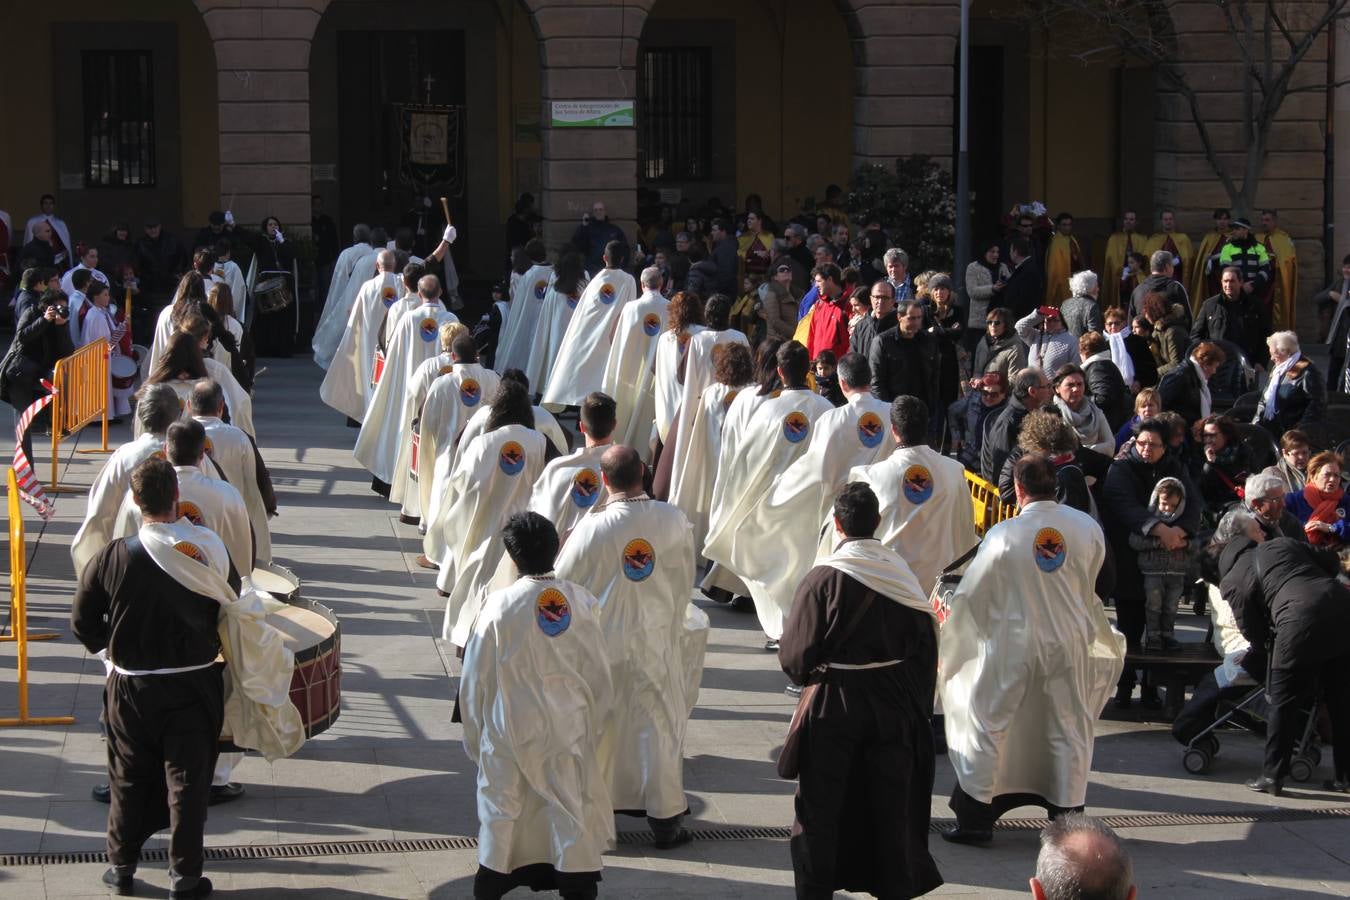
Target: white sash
point(883, 570)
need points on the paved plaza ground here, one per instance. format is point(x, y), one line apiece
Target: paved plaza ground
point(392, 772)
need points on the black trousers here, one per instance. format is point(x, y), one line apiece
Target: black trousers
point(489, 884)
point(973, 815)
point(163, 733)
point(1292, 691)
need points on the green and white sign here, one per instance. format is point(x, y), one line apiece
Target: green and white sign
point(591, 114)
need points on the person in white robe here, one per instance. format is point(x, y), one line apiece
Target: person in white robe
point(99, 323)
point(410, 300)
point(415, 340)
point(776, 436)
point(88, 263)
point(670, 349)
point(571, 486)
point(184, 362)
point(527, 299)
point(796, 510)
point(347, 385)
point(204, 501)
point(733, 374)
point(236, 456)
point(156, 410)
point(630, 370)
point(579, 367)
point(534, 695)
point(544, 421)
point(444, 398)
point(1028, 660)
point(227, 272)
point(336, 308)
point(925, 504)
point(695, 374)
point(188, 296)
point(636, 555)
point(491, 480)
point(560, 303)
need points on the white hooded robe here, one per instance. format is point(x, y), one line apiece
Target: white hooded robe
point(207, 503)
point(630, 373)
point(346, 386)
point(230, 448)
point(517, 335)
point(698, 374)
point(354, 266)
point(1028, 658)
point(579, 368)
point(569, 487)
point(549, 331)
point(450, 400)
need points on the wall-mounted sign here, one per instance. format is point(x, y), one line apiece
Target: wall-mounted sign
point(591, 114)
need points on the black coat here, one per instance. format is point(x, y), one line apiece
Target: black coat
point(1141, 354)
point(1288, 586)
point(1179, 391)
point(1025, 290)
point(1109, 391)
point(38, 344)
point(159, 263)
point(1238, 322)
point(868, 328)
point(905, 366)
point(1170, 288)
point(1302, 399)
point(1000, 436)
point(1129, 485)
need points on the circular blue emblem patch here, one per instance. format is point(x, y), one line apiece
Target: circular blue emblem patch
point(512, 458)
point(639, 560)
point(917, 484)
point(796, 427)
point(870, 429)
point(552, 612)
point(585, 489)
point(1050, 550)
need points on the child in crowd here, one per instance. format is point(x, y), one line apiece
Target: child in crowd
point(1164, 570)
point(827, 382)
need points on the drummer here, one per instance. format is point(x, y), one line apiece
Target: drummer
point(238, 459)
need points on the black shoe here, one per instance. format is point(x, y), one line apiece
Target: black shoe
point(771, 645)
point(959, 835)
point(1267, 785)
point(1123, 700)
point(1170, 643)
point(793, 690)
point(1337, 785)
point(201, 889)
point(102, 793)
point(1148, 697)
point(224, 793)
point(718, 595)
point(678, 839)
point(121, 882)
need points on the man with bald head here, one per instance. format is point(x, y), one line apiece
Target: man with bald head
point(1082, 858)
point(636, 555)
point(349, 385)
point(388, 422)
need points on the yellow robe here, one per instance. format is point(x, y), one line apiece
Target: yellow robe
point(1062, 259)
point(1197, 281)
point(1180, 245)
point(1118, 248)
point(1285, 263)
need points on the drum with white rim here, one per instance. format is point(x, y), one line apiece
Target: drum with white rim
point(123, 371)
point(276, 580)
point(943, 591)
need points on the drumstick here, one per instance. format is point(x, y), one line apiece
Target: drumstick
point(445, 208)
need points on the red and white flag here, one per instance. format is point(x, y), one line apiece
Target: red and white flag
point(30, 487)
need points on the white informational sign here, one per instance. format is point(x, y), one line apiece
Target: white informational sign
point(591, 114)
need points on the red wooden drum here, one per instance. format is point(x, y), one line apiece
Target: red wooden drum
point(377, 368)
point(314, 635)
point(123, 370)
point(272, 292)
point(943, 591)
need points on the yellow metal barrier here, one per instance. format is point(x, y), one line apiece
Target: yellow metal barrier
point(18, 562)
point(988, 508)
point(81, 381)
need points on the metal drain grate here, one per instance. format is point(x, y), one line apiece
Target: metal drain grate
point(419, 845)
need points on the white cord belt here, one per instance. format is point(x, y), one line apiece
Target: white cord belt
point(849, 667)
point(137, 673)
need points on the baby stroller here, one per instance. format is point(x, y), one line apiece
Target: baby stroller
point(1237, 707)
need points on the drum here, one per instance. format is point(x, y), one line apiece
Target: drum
point(276, 580)
point(377, 368)
point(313, 634)
point(123, 370)
point(941, 597)
point(272, 293)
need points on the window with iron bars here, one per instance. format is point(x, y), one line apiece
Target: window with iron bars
point(673, 114)
point(119, 118)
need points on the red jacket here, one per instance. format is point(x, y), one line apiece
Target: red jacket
point(829, 329)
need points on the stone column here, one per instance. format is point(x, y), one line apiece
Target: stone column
point(262, 60)
point(587, 51)
point(905, 75)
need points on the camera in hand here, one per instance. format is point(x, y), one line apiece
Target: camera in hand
point(62, 311)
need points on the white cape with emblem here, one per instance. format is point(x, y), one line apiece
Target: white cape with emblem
point(798, 503)
point(666, 378)
point(579, 367)
point(925, 509)
point(353, 268)
point(1028, 659)
point(105, 498)
point(698, 374)
point(346, 386)
point(259, 713)
point(404, 485)
point(238, 404)
point(450, 401)
point(544, 423)
point(491, 481)
point(517, 335)
point(231, 450)
point(777, 435)
point(637, 558)
point(416, 339)
point(209, 503)
point(569, 487)
point(693, 492)
point(554, 317)
point(630, 373)
point(534, 697)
